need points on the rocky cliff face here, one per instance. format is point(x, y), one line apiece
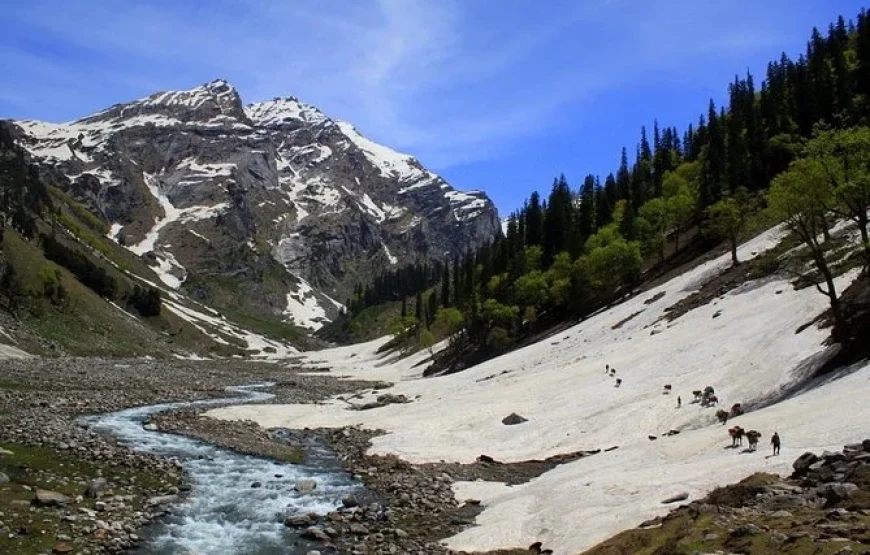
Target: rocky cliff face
point(271, 207)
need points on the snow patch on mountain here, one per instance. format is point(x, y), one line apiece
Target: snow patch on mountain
point(303, 308)
point(283, 110)
point(388, 161)
point(393, 260)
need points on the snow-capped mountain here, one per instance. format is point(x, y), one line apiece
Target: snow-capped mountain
point(272, 206)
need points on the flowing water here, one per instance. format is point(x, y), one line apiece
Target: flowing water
point(223, 514)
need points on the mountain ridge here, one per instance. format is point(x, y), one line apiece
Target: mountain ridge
point(273, 197)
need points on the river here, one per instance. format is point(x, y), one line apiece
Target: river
point(223, 513)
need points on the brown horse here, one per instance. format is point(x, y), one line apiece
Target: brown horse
point(753, 436)
point(736, 434)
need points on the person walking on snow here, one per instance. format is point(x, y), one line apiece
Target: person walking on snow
point(679, 402)
point(775, 442)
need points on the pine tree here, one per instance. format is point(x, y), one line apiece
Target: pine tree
point(445, 286)
point(418, 308)
point(432, 308)
point(586, 223)
point(534, 220)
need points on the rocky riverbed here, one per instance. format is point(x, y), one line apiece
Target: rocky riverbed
point(67, 489)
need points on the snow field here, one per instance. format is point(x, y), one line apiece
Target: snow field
point(746, 351)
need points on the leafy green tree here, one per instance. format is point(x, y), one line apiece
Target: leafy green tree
point(427, 341)
point(611, 267)
point(727, 218)
point(658, 217)
point(559, 279)
point(531, 290)
point(680, 189)
point(800, 197)
point(845, 158)
point(498, 314)
point(450, 322)
point(403, 328)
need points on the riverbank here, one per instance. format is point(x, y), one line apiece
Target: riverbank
point(66, 489)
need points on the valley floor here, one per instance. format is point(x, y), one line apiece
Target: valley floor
point(752, 344)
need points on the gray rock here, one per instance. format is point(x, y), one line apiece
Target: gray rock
point(305, 486)
point(96, 487)
point(48, 498)
point(315, 533)
point(4, 479)
point(804, 461)
point(838, 492)
point(358, 529)
point(162, 499)
point(675, 498)
point(513, 419)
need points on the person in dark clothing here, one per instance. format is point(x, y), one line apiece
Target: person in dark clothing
point(679, 402)
point(775, 441)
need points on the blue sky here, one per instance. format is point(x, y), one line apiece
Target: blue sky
point(495, 95)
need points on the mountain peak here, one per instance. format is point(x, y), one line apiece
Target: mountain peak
point(207, 101)
point(286, 109)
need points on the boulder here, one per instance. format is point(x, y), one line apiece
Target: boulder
point(162, 500)
point(48, 498)
point(803, 462)
point(674, 498)
point(4, 479)
point(299, 521)
point(305, 486)
point(96, 487)
point(315, 533)
point(513, 419)
point(835, 493)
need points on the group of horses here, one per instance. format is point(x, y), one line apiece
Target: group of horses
point(737, 434)
point(707, 397)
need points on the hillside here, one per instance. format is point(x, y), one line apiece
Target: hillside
point(756, 344)
point(67, 289)
point(273, 199)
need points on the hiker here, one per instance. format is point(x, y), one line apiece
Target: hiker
point(775, 442)
point(618, 382)
point(679, 402)
point(607, 369)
